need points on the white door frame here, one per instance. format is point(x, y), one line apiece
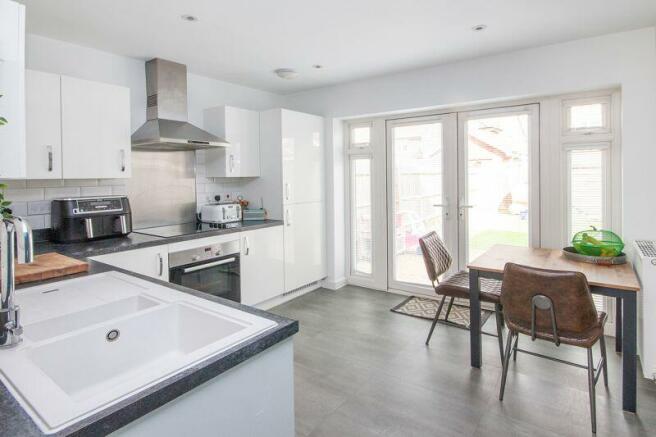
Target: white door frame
point(533, 111)
point(449, 186)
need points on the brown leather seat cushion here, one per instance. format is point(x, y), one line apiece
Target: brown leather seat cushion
point(585, 339)
point(458, 286)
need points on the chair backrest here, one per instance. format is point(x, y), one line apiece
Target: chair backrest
point(436, 256)
point(573, 308)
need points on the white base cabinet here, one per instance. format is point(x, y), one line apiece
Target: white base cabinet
point(305, 244)
point(262, 265)
point(150, 261)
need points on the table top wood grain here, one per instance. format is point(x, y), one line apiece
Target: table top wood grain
point(620, 277)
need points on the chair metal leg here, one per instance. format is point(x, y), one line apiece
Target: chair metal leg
point(437, 316)
point(499, 315)
point(515, 348)
point(448, 309)
point(602, 345)
point(591, 390)
point(506, 364)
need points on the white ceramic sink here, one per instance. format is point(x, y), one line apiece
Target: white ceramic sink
point(92, 341)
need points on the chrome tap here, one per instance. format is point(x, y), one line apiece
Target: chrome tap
point(15, 241)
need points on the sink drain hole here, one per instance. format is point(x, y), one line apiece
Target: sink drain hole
point(113, 335)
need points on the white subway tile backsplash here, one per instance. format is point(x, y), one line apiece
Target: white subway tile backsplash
point(14, 184)
point(43, 183)
point(38, 208)
point(54, 193)
point(24, 195)
point(81, 182)
point(19, 208)
point(119, 190)
point(96, 191)
point(111, 182)
point(37, 221)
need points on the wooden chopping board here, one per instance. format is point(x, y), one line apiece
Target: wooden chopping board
point(48, 266)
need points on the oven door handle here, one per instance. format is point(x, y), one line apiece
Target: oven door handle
point(208, 265)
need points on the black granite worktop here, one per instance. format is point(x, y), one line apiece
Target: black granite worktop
point(135, 240)
point(14, 421)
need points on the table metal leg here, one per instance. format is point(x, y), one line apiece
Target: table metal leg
point(629, 341)
point(476, 350)
point(618, 324)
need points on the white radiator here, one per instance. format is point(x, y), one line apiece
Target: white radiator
point(645, 266)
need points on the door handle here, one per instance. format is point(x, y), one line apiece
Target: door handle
point(208, 265)
point(49, 148)
point(246, 246)
point(88, 225)
point(287, 191)
point(122, 160)
point(445, 206)
point(289, 223)
point(161, 264)
point(232, 163)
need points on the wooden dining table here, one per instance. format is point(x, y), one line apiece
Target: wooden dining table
point(617, 281)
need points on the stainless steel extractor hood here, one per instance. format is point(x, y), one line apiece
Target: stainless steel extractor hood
point(167, 127)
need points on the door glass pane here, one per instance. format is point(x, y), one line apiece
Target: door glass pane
point(497, 170)
point(586, 190)
point(361, 241)
point(417, 188)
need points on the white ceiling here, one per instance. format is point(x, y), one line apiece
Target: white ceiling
point(243, 41)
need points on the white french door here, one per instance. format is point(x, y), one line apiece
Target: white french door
point(498, 179)
point(421, 175)
point(472, 177)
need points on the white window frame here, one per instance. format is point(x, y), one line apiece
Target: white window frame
point(607, 116)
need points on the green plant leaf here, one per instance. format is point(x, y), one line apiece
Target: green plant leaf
point(5, 203)
point(3, 121)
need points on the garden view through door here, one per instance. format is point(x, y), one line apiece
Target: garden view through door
point(495, 179)
point(421, 150)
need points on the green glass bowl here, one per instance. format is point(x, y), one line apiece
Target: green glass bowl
point(596, 242)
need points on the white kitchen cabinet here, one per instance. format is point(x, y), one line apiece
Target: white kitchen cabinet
point(96, 130)
point(241, 128)
point(305, 245)
point(302, 157)
point(43, 125)
point(12, 89)
point(150, 261)
point(262, 265)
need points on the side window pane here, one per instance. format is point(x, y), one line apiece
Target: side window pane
point(587, 116)
point(361, 241)
point(586, 189)
point(360, 136)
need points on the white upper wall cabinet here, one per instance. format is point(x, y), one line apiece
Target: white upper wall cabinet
point(241, 128)
point(12, 88)
point(302, 157)
point(43, 125)
point(96, 130)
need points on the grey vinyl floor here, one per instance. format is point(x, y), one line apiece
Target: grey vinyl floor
point(361, 370)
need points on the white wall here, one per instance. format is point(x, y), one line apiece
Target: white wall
point(31, 198)
point(626, 59)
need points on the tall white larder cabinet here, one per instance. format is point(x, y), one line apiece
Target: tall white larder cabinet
point(292, 145)
point(12, 89)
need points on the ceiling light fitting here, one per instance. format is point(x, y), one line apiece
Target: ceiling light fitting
point(189, 18)
point(286, 73)
point(479, 27)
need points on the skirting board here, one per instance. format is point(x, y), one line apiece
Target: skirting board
point(334, 285)
point(279, 300)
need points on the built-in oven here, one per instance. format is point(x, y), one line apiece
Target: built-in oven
point(212, 269)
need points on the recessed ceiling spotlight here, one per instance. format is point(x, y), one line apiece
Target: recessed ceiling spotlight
point(189, 18)
point(479, 27)
point(286, 73)
point(317, 66)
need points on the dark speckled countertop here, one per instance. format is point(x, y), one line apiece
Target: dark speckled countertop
point(14, 421)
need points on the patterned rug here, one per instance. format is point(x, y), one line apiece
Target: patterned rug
point(425, 308)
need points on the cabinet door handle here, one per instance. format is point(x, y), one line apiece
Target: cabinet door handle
point(289, 223)
point(161, 264)
point(49, 148)
point(287, 191)
point(123, 160)
point(246, 246)
point(232, 163)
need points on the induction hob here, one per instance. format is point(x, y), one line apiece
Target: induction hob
point(186, 229)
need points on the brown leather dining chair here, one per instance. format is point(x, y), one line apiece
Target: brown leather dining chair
point(555, 306)
point(438, 260)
